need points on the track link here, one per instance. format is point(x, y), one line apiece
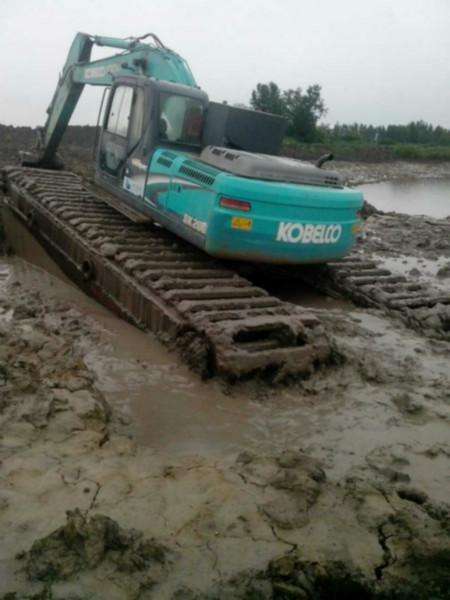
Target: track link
point(364, 281)
point(221, 323)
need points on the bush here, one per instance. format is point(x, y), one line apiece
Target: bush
point(421, 152)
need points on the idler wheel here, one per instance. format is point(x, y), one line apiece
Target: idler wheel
point(87, 270)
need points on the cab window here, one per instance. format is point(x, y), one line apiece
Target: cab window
point(137, 118)
point(181, 119)
point(119, 114)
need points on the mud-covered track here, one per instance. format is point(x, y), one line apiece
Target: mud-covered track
point(220, 321)
point(368, 283)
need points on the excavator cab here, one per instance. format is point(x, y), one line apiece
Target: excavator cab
point(143, 115)
point(156, 153)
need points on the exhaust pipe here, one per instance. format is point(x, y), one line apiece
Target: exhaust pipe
point(323, 159)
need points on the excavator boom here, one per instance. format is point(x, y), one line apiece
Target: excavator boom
point(138, 58)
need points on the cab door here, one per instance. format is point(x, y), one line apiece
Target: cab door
point(119, 161)
point(113, 148)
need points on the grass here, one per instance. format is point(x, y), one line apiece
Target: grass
point(361, 151)
point(421, 152)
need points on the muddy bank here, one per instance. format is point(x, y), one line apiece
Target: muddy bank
point(356, 173)
point(413, 235)
point(338, 483)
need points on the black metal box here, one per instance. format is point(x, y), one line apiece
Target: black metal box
point(243, 129)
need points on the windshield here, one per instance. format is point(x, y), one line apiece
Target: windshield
point(180, 119)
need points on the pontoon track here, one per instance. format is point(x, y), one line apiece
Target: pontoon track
point(220, 321)
point(368, 283)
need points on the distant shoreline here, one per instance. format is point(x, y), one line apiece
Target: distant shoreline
point(359, 173)
point(367, 165)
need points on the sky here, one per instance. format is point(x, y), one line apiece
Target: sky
point(378, 61)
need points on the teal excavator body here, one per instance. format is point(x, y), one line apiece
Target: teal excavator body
point(206, 171)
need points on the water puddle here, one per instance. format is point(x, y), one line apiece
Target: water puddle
point(416, 197)
point(302, 294)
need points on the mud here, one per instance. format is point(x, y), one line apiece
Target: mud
point(84, 543)
point(370, 281)
point(336, 485)
point(420, 237)
point(356, 173)
point(417, 246)
point(124, 476)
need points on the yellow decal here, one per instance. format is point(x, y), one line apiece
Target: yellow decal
point(241, 223)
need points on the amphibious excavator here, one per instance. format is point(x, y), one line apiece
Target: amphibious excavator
point(201, 169)
point(190, 188)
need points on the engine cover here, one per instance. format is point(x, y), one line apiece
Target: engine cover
point(271, 168)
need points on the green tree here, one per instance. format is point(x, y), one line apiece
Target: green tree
point(417, 132)
point(267, 98)
point(302, 109)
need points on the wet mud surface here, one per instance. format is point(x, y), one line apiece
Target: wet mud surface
point(181, 489)
point(416, 246)
point(123, 475)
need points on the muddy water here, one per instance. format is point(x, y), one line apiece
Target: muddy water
point(300, 293)
point(416, 197)
point(336, 416)
point(345, 423)
point(168, 407)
